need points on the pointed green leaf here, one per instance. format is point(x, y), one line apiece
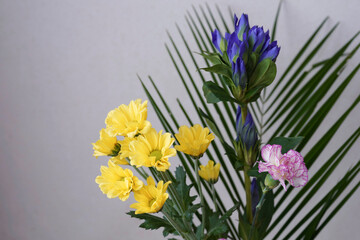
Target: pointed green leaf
point(213, 93)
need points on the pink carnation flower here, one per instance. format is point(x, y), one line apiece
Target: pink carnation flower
point(290, 166)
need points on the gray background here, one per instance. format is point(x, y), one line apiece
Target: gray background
point(65, 64)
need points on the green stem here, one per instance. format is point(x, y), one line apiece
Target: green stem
point(200, 193)
point(214, 196)
point(243, 113)
point(172, 191)
point(257, 211)
point(248, 195)
point(176, 226)
point(175, 196)
point(142, 173)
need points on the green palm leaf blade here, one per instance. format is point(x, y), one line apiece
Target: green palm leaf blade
point(222, 18)
point(311, 228)
point(315, 122)
point(337, 208)
point(205, 47)
point(292, 89)
point(315, 151)
point(310, 105)
point(220, 114)
point(273, 33)
point(206, 35)
point(318, 174)
point(333, 194)
point(312, 212)
point(317, 181)
point(297, 111)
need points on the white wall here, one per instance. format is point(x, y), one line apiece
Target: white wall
point(65, 64)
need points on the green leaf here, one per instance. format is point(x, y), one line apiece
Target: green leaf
point(214, 58)
point(263, 75)
point(211, 125)
point(245, 228)
point(221, 69)
point(286, 143)
point(254, 172)
point(182, 189)
point(153, 222)
point(217, 226)
point(266, 214)
point(213, 93)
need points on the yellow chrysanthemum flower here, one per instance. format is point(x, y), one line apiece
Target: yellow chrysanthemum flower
point(193, 140)
point(150, 198)
point(106, 145)
point(152, 149)
point(128, 120)
point(117, 182)
point(210, 172)
point(118, 160)
point(125, 147)
point(124, 152)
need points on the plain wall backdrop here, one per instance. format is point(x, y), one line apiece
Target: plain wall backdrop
point(65, 64)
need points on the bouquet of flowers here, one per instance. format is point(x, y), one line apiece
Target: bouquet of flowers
point(186, 203)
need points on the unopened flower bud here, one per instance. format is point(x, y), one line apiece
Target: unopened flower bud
point(270, 182)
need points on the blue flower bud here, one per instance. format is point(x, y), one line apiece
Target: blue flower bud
point(239, 73)
point(216, 40)
point(241, 26)
point(246, 133)
point(271, 51)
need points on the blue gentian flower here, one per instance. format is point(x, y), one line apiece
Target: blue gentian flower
point(246, 39)
point(216, 40)
point(241, 26)
point(246, 133)
point(239, 73)
point(242, 52)
point(259, 42)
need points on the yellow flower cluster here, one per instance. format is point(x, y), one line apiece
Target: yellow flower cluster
point(142, 146)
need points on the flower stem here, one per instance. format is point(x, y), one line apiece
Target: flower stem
point(200, 193)
point(175, 196)
point(214, 196)
point(141, 171)
point(257, 211)
point(243, 113)
point(248, 194)
point(176, 226)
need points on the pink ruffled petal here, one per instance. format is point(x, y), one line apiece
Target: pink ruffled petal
point(298, 173)
point(275, 155)
point(263, 167)
point(283, 184)
point(265, 152)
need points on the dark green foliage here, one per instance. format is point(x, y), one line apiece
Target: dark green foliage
point(153, 222)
